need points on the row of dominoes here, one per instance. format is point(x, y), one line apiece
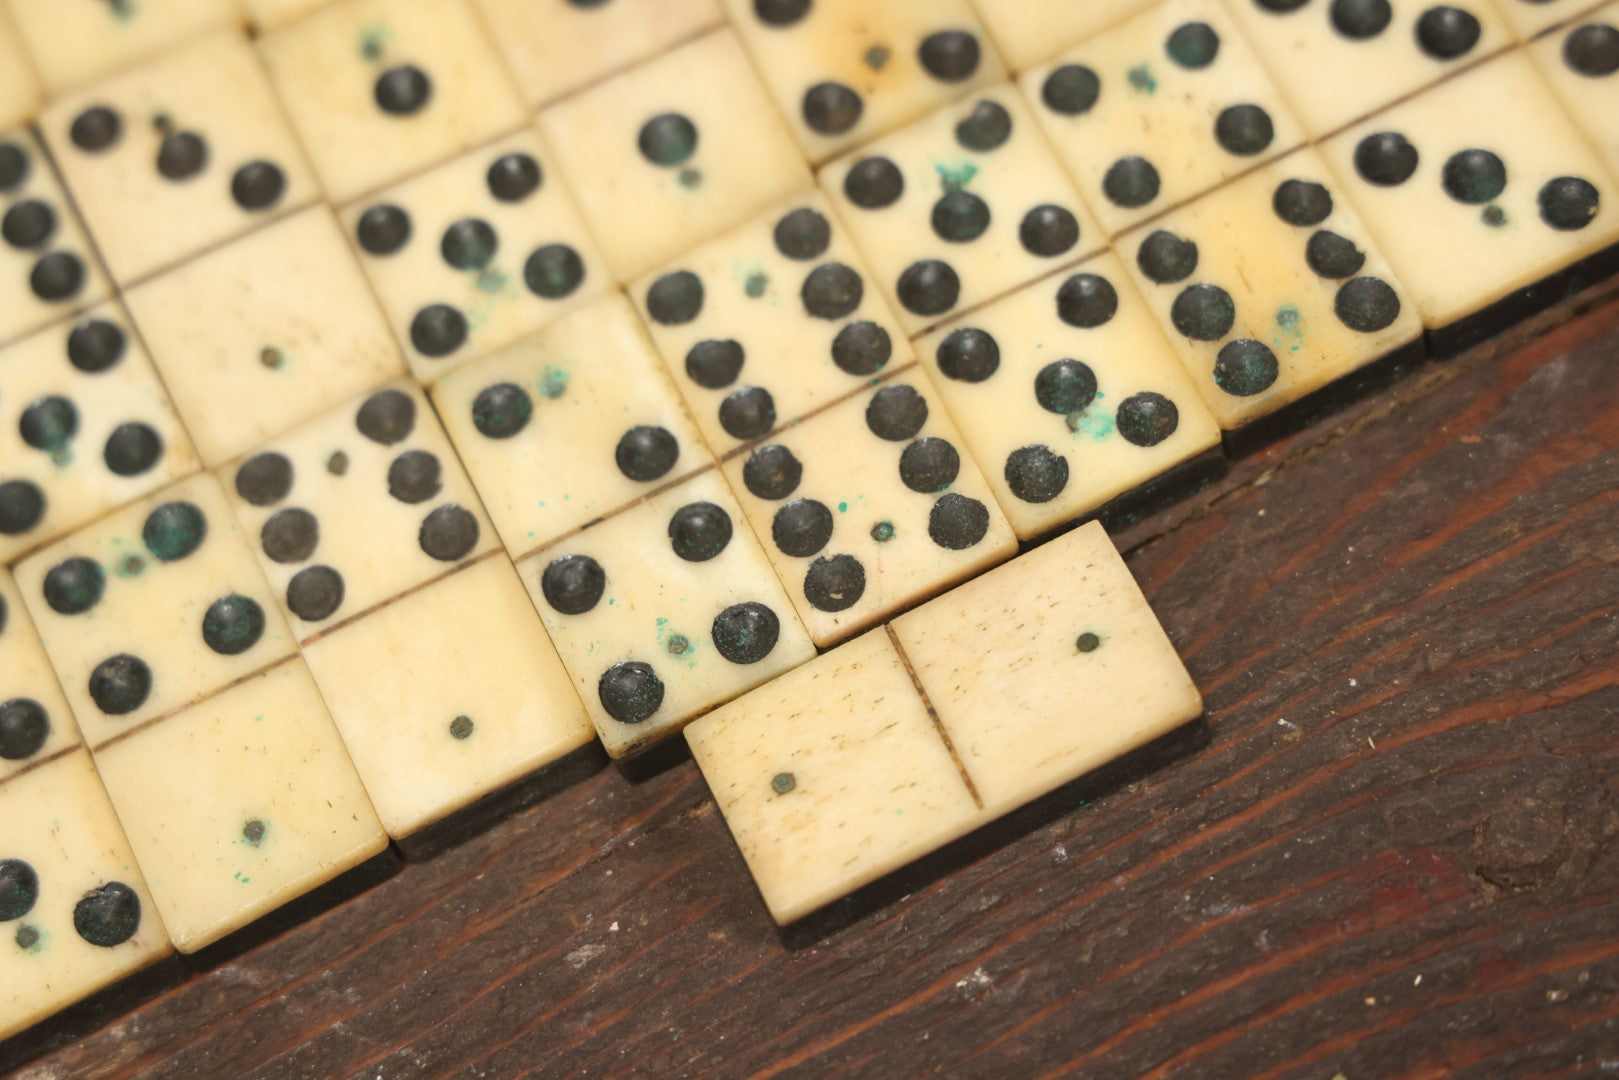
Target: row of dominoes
point(645, 555)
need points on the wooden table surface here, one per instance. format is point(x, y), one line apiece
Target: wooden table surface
point(1391, 848)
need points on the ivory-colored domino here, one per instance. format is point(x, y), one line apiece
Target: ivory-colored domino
point(476, 253)
point(182, 153)
point(1029, 32)
point(664, 611)
point(1046, 668)
point(843, 71)
point(770, 322)
point(555, 49)
point(239, 804)
point(264, 333)
point(379, 89)
point(50, 270)
point(20, 92)
point(35, 721)
point(1530, 18)
point(75, 913)
point(358, 507)
point(447, 694)
point(1269, 288)
point(77, 43)
point(666, 155)
point(1068, 394)
point(1479, 188)
point(85, 426)
point(870, 506)
point(964, 204)
point(268, 15)
point(1335, 63)
point(152, 608)
point(1159, 110)
point(1581, 62)
point(832, 775)
point(568, 425)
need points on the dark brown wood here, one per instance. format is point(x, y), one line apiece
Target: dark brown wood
point(1392, 848)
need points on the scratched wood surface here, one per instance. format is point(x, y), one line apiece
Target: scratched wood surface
point(1391, 848)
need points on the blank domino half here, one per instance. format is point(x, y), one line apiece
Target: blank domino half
point(915, 734)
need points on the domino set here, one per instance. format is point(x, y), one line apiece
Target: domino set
point(400, 395)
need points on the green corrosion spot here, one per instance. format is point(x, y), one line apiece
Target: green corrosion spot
point(1141, 79)
point(373, 39)
point(1098, 425)
point(1088, 642)
point(1494, 216)
point(242, 878)
point(491, 282)
point(782, 783)
point(130, 566)
point(1289, 319)
point(253, 832)
point(29, 939)
point(956, 177)
point(553, 383)
point(756, 284)
point(883, 532)
point(843, 508)
point(678, 645)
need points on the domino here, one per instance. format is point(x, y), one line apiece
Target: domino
point(556, 49)
point(75, 913)
point(832, 775)
point(20, 91)
point(152, 609)
point(282, 319)
point(50, 270)
point(907, 738)
point(1270, 290)
point(182, 153)
point(568, 425)
point(663, 611)
point(217, 751)
point(673, 152)
point(770, 323)
point(475, 254)
point(77, 43)
point(1485, 198)
point(1068, 395)
point(36, 723)
point(1030, 32)
point(378, 89)
point(86, 426)
point(1159, 110)
point(870, 507)
point(843, 71)
point(1338, 62)
point(1581, 64)
point(1531, 18)
point(961, 206)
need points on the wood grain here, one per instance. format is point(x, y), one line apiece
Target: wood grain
point(1392, 847)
